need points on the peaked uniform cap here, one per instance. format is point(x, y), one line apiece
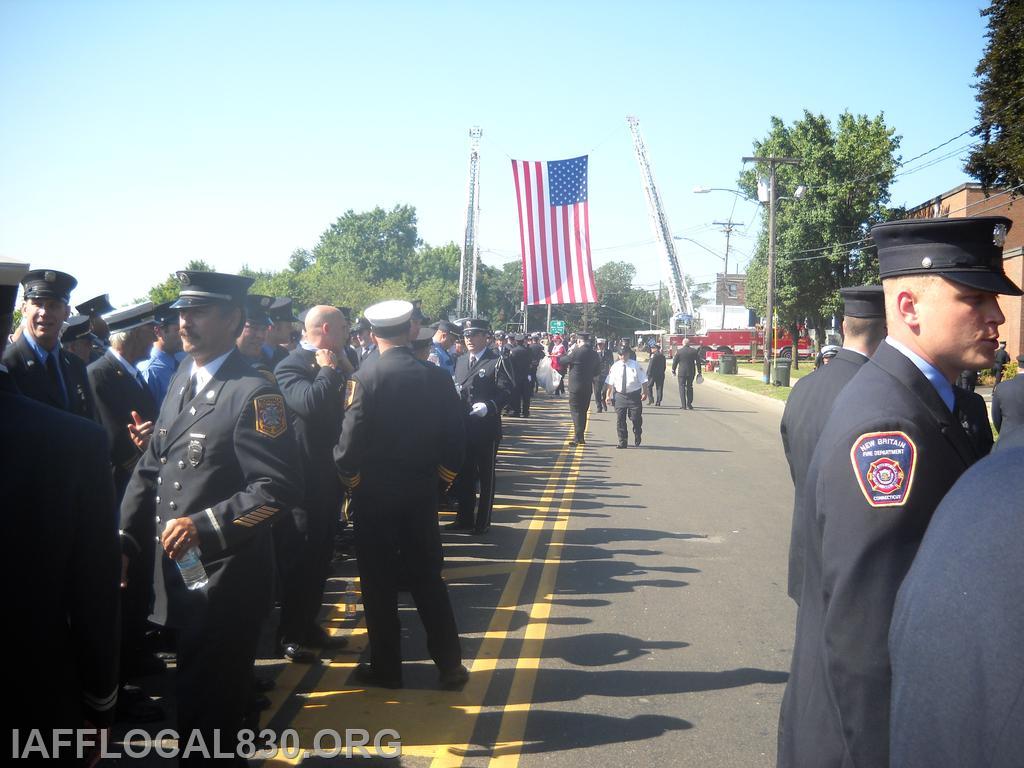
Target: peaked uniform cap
point(76, 327)
point(132, 317)
point(281, 311)
point(11, 274)
point(98, 305)
point(256, 306)
point(968, 250)
point(388, 314)
point(474, 324)
point(199, 289)
point(48, 284)
point(866, 301)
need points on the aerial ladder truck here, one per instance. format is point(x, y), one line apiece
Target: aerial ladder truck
point(470, 261)
point(682, 320)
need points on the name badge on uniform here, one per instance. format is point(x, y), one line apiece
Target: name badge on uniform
point(482, 374)
point(884, 463)
point(195, 452)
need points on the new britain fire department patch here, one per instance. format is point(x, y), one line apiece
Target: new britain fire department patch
point(270, 415)
point(884, 464)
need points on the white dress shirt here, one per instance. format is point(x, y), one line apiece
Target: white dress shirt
point(206, 372)
point(635, 376)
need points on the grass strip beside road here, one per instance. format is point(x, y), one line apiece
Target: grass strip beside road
point(805, 368)
point(749, 384)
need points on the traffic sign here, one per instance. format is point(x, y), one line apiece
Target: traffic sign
point(557, 326)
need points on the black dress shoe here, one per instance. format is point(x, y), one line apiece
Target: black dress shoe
point(129, 694)
point(454, 679)
point(365, 675)
point(581, 441)
point(621, 445)
point(139, 712)
point(458, 525)
point(299, 654)
point(479, 530)
point(636, 441)
point(572, 443)
point(321, 638)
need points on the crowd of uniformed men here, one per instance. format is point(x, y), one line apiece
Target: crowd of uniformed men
point(209, 425)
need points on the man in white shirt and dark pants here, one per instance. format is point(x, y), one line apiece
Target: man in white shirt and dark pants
point(627, 390)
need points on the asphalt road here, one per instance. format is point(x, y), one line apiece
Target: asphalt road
point(628, 607)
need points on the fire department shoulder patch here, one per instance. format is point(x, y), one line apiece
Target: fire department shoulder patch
point(270, 415)
point(884, 464)
point(350, 393)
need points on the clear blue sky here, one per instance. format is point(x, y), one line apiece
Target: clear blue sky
point(135, 136)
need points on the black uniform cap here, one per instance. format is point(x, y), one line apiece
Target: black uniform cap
point(256, 306)
point(98, 305)
point(75, 327)
point(967, 251)
point(447, 326)
point(49, 284)
point(280, 311)
point(474, 324)
point(866, 301)
point(417, 312)
point(11, 274)
point(361, 325)
point(199, 289)
point(583, 336)
point(132, 317)
point(164, 315)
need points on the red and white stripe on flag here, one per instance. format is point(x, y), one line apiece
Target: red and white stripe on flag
point(554, 231)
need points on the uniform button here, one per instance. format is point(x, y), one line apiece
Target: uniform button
point(173, 506)
point(181, 465)
point(157, 519)
point(159, 481)
point(177, 485)
point(163, 459)
point(157, 499)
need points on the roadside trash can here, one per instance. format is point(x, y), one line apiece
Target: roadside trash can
point(728, 364)
point(780, 373)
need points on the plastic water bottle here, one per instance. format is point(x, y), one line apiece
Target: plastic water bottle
point(193, 573)
point(192, 570)
point(351, 599)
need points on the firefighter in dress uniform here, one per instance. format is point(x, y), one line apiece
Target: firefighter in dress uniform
point(892, 448)
point(40, 367)
point(217, 472)
point(402, 431)
point(63, 562)
point(811, 400)
point(581, 365)
point(484, 382)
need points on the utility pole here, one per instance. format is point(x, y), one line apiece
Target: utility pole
point(727, 227)
point(769, 325)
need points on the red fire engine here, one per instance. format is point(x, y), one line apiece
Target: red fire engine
point(742, 342)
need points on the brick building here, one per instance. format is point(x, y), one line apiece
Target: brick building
point(971, 200)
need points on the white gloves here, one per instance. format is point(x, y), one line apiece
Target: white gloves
point(478, 411)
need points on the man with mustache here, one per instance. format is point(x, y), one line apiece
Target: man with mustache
point(892, 448)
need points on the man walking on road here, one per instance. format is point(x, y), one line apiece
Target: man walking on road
point(1008, 402)
point(811, 400)
point(656, 373)
point(626, 391)
point(892, 448)
point(687, 363)
point(581, 365)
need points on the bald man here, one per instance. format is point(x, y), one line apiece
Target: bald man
point(312, 379)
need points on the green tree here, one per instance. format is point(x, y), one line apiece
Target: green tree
point(169, 289)
point(999, 161)
point(821, 243)
point(377, 244)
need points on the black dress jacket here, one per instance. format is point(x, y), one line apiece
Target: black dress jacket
point(33, 381)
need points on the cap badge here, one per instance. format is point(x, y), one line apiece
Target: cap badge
point(50, 277)
point(999, 235)
point(184, 279)
point(926, 262)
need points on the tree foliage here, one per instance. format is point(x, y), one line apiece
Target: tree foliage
point(999, 161)
point(820, 239)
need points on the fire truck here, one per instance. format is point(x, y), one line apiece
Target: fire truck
point(744, 342)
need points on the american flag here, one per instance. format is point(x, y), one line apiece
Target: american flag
point(554, 231)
